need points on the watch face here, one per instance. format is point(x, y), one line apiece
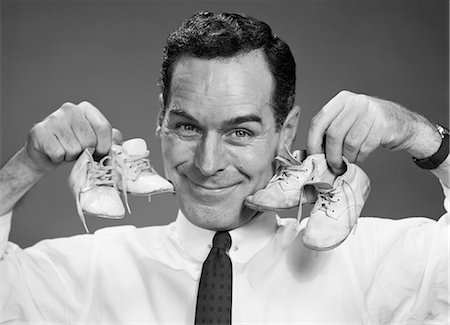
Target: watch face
point(442, 130)
point(439, 156)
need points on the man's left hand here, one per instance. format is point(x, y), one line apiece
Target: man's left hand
point(354, 125)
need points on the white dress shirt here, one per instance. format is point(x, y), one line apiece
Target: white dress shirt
point(386, 272)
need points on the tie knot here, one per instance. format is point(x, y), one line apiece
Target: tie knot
point(222, 239)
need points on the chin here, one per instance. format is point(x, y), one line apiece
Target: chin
point(216, 217)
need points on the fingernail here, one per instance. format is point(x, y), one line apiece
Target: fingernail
point(97, 157)
point(341, 170)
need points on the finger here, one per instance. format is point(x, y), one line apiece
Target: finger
point(54, 150)
point(322, 120)
point(100, 126)
point(117, 137)
point(83, 131)
point(68, 140)
point(44, 146)
point(372, 141)
point(356, 136)
point(335, 135)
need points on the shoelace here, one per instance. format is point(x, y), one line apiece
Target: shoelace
point(138, 164)
point(288, 166)
point(327, 197)
point(286, 170)
point(98, 174)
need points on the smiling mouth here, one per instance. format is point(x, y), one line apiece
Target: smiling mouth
point(210, 188)
point(213, 188)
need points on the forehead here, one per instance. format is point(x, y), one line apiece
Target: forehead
point(241, 80)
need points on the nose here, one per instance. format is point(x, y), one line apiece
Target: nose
point(210, 156)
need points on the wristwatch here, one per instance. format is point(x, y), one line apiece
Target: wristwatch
point(439, 156)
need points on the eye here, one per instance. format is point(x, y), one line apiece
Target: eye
point(241, 133)
point(186, 129)
point(240, 137)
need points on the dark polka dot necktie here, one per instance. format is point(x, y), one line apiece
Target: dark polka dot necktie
point(215, 287)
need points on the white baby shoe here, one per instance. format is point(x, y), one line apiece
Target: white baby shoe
point(94, 186)
point(137, 175)
point(337, 210)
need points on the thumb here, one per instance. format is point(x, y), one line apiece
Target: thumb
point(117, 137)
point(315, 147)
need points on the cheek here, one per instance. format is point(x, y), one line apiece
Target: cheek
point(256, 162)
point(175, 151)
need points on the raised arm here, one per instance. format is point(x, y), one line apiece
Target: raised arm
point(59, 138)
point(354, 125)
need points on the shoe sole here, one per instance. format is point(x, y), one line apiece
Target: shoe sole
point(102, 216)
point(267, 208)
point(151, 193)
point(327, 248)
point(121, 217)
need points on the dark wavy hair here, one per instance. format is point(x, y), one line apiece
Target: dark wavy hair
point(206, 35)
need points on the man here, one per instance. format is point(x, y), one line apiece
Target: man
point(228, 109)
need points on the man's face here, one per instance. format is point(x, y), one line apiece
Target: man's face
point(218, 137)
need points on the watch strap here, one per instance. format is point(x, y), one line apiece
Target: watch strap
point(440, 155)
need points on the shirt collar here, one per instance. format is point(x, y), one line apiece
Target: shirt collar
point(247, 240)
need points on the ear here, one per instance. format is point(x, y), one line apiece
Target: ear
point(160, 116)
point(289, 130)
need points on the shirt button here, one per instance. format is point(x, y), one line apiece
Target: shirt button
point(235, 248)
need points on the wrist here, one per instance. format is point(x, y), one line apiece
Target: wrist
point(24, 159)
point(439, 155)
point(16, 178)
point(425, 140)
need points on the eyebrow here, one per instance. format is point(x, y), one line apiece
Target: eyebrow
point(181, 113)
point(231, 122)
point(243, 119)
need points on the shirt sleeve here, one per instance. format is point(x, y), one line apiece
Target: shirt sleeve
point(5, 228)
point(50, 280)
point(403, 268)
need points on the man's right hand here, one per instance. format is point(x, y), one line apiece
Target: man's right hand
point(64, 134)
point(61, 136)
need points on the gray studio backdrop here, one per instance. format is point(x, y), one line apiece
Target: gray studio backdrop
point(108, 52)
